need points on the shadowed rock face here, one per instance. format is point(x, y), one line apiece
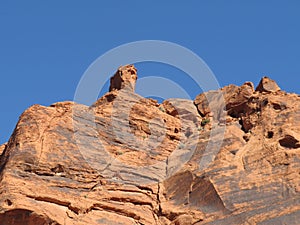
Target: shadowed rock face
point(22, 216)
point(230, 157)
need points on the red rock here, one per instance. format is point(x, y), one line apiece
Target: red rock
point(267, 85)
point(126, 76)
point(230, 98)
point(118, 161)
point(2, 147)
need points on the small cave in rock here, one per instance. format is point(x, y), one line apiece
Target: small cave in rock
point(278, 106)
point(289, 142)
point(58, 169)
point(8, 202)
point(270, 134)
point(110, 97)
point(246, 137)
point(264, 102)
point(246, 124)
point(233, 152)
point(172, 137)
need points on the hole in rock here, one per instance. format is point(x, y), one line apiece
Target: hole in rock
point(289, 142)
point(58, 169)
point(270, 134)
point(8, 202)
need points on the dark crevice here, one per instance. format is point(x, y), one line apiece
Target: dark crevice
point(159, 213)
point(233, 152)
point(246, 138)
point(8, 202)
point(277, 106)
point(289, 142)
point(110, 97)
point(58, 169)
point(270, 134)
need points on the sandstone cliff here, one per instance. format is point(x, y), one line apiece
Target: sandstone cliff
point(231, 156)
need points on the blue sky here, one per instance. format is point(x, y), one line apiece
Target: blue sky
point(45, 46)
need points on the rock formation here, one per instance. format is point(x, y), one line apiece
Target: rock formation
point(126, 76)
point(267, 85)
point(230, 157)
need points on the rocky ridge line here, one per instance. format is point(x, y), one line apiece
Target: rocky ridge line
point(54, 169)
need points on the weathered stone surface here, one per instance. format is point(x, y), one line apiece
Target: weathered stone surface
point(267, 85)
point(230, 98)
point(2, 147)
point(126, 76)
point(23, 216)
point(129, 160)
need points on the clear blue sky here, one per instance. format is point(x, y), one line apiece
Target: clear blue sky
point(45, 46)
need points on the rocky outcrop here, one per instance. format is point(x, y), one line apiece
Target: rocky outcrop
point(126, 76)
point(131, 160)
point(231, 98)
point(267, 85)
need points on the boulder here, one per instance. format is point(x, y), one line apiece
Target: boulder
point(266, 84)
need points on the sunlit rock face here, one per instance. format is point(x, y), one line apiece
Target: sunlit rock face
point(232, 156)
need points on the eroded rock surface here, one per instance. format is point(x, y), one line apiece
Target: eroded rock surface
point(130, 160)
point(267, 85)
point(126, 76)
point(2, 147)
